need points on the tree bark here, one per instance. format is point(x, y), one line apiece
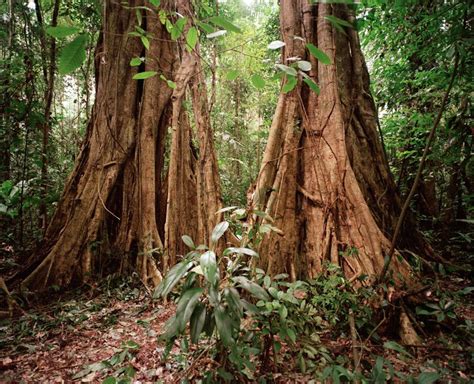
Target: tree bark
point(111, 195)
point(324, 177)
point(120, 210)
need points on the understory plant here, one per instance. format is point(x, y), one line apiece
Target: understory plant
point(246, 316)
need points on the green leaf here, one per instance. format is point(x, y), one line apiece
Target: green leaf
point(312, 85)
point(135, 62)
point(145, 41)
point(172, 278)
point(138, 13)
point(286, 69)
point(61, 31)
point(110, 380)
point(304, 65)
point(130, 344)
point(73, 55)
point(283, 312)
point(225, 375)
point(224, 325)
point(337, 21)
point(186, 305)
point(205, 27)
point(156, 3)
point(291, 334)
point(178, 28)
point(197, 322)
point(144, 75)
point(318, 54)
point(218, 231)
point(209, 266)
point(257, 81)
point(192, 38)
point(188, 241)
point(233, 300)
point(396, 347)
point(428, 377)
point(252, 287)
point(276, 44)
point(224, 23)
point(232, 75)
point(245, 251)
point(290, 84)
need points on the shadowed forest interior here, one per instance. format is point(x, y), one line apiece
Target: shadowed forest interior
point(236, 191)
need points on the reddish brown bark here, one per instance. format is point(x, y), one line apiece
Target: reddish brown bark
point(324, 177)
point(118, 212)
point(110, 197)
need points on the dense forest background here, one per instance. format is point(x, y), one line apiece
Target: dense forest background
point(419, 57)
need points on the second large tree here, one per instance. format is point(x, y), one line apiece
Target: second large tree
point(324, 177)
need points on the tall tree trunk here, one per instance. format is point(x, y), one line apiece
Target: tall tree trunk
point(203, 177)
point(111, 194)
point(324, 178)
point(117, 202)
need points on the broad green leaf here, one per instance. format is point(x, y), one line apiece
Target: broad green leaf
point(135, 62)
point(318, 54)
point(144, 75)
point(218, 231)
point(145, 41)
point(130, 344)
point(304, 65)
point(188, 241)
point(224, 325)
point(225, 209)
point(255, 289)
point(276, 44)
point(192, 38)
point(209, 266)
point(110, 380)
point(216, 34)
point(60, 32)
point(396, 347)
point(290, 84)
point(281, 276)
point(209, 323)
point(138, 12)
point(231, 75)
point(197, 322)
point(245, 251)
point(224, 23)
point(156, 3)
point(312, 85)
point(257, 81)
point(171, 329)
point(172, 278)
point(378, 373)
point(283, 311)
point(428, 377)
point(228, 377)
point(337, 21)
point(205, 27)
point(73, 55)
point(264, 214)
point(186, 305)
point(233, 300)
point(291, 334)
point(286, 69)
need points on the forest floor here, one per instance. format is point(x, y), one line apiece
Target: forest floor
point(111, 331)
